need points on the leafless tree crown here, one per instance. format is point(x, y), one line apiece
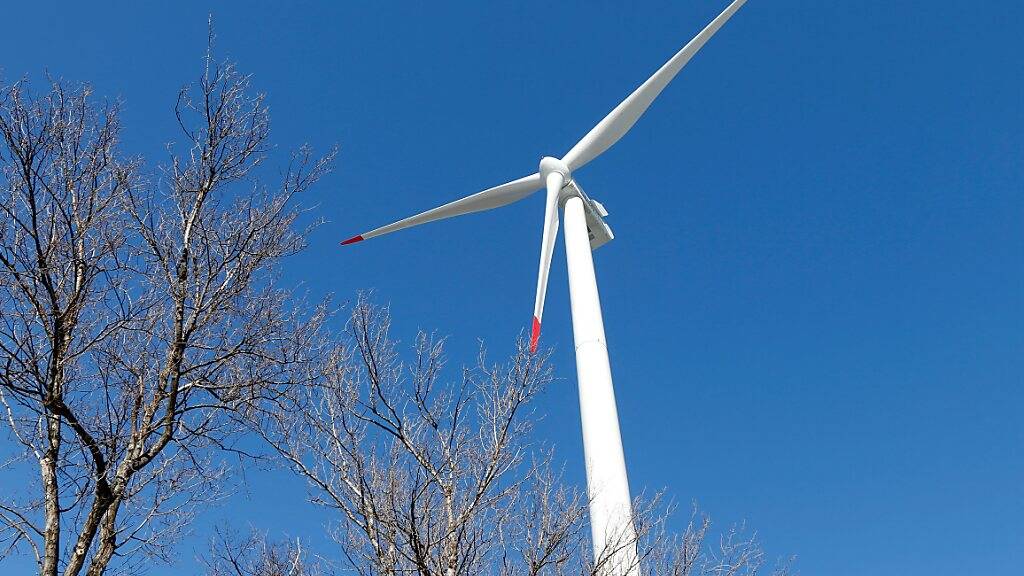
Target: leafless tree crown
point(138, 315)
point(439, 478)
point(255, 555)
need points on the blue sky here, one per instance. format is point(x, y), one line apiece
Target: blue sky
point(814, 299)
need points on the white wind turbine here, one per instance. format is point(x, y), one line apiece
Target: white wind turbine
point(585, 230)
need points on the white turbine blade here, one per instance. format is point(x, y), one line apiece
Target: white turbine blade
point(490, 198)
point(547, 246)
point(622, 118)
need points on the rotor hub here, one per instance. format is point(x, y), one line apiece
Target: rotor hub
point(549, 165)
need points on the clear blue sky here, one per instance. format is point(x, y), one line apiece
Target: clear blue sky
point(814, 300)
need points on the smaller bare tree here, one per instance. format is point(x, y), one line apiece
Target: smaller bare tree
point(443, 479)
point(256, 555)
point(696, 551)
point(426, 477)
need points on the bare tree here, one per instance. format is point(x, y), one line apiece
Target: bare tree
point(696, 551)
point(137, 316)
point(255, 555)
point(443, 479)
point(425, 477)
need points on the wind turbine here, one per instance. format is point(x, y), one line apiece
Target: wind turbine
point(611, 520)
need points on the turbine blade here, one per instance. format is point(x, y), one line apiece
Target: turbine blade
point(621, 119)
point(490, 198)
point(547, 247)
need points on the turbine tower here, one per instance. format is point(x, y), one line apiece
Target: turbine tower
point(611, 517)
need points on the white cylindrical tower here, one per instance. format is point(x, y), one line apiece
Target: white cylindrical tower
point(611, 519)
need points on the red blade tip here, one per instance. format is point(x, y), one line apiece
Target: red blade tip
point(534, 335)
point(353, 240)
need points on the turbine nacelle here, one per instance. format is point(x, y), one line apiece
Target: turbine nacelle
point(598, 231)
